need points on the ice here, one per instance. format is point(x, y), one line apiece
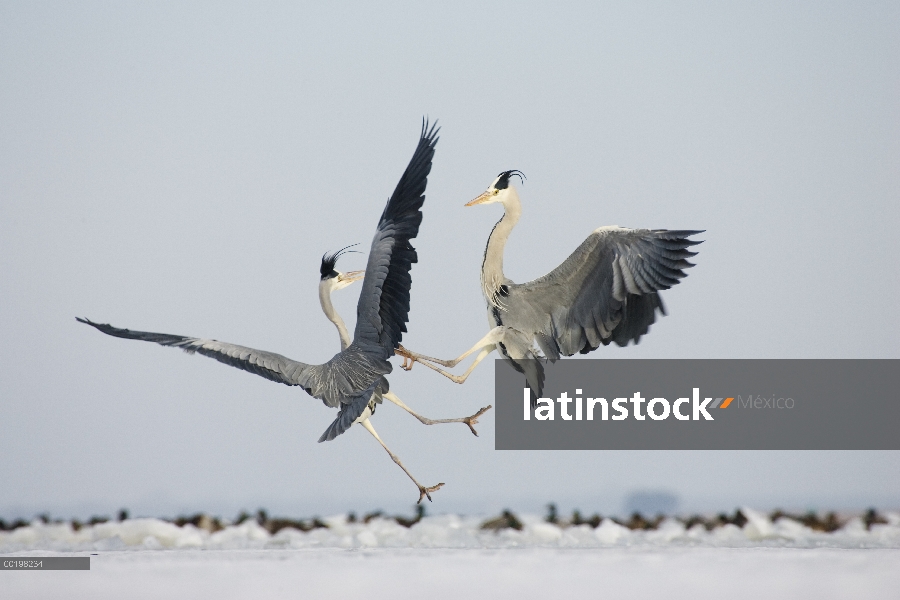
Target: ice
point(610, 532)
point(246, 535)
point(758, 525)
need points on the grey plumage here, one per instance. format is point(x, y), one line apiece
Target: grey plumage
point(606, 291)
point(353, 408)
point(361, 409)
point(356, 374)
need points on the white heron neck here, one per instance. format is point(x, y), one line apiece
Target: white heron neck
point(328, 309)
point(492, 276)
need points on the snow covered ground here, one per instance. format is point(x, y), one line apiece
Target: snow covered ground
point(450, 556)
point(445, 531)
point(613, 572)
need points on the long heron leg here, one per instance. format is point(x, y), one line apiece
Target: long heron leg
point(423, 491)
point(488, 341)
point(464, 376)
point(470, 421)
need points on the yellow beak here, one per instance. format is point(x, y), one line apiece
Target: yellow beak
point(481, 199)
point(351, 276)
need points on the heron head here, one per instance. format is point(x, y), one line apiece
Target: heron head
point(499, 189)
point(331, 277)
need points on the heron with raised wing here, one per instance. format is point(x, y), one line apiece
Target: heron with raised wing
point(353, 380)
point(333, 280)
point(606, 291)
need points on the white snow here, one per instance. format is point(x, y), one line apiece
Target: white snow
point(451, 557)
point(445, 531)
point(643, 571)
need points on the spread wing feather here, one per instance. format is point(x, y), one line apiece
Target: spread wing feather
point(354, 376)
point(383, 308)
point(273, 367)
point(350, 411)
point(606, 291)
point(335, 383)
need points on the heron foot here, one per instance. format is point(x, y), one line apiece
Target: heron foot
point(470, 421)
point(425, 492)
point(408, 359)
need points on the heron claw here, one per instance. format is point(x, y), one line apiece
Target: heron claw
point(424, 492)
point(408, 360)
point(470, 421)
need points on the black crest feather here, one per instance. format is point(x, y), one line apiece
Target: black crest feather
point(503, 181)
point(330, 260)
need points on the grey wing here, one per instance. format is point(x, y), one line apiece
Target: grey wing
point(606, 291)
point(353, 408)
point(273, 367)
point(383, 308)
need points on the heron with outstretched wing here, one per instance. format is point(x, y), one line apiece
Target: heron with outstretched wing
point(606, 291)
point(333, 280)
point(353, 380)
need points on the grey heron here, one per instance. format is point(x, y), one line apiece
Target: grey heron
point(606, 291)
point(333, 280)
point(353, 380)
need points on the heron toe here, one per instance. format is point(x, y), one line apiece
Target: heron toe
point(471, 421)
point(408, 360)
point(424, 492)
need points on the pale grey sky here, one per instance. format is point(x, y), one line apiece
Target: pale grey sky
point(183, 168)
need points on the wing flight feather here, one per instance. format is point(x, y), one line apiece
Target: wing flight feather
point(605, 291)
point(350, 379)
point(273, 367)
point(383, 308)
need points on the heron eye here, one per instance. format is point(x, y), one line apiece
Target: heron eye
point(496, 192)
